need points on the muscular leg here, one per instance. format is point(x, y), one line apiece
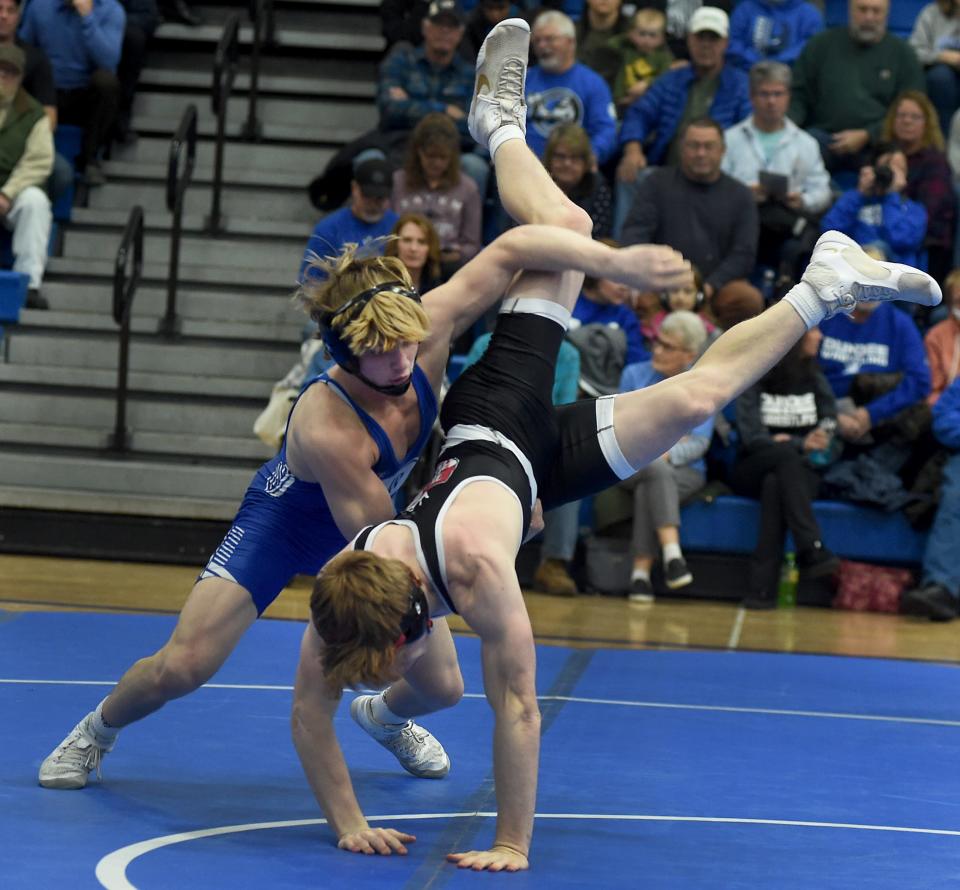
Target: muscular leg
point(217, 613)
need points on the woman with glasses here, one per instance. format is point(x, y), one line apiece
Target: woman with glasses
point(569, 160)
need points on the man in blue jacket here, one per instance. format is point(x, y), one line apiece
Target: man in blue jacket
point(82, 39)
point(937, 598)
point(875, 338)
point(707, 88)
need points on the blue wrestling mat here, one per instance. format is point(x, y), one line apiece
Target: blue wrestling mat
point(658, 770)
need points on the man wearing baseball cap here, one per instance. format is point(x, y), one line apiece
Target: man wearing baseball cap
point(26, 159)
point(366, 216)
point(707, 88)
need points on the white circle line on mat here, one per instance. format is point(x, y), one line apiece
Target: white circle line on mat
point(111, 870)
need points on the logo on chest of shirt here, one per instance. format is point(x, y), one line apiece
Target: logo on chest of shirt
point(552, 107)
point(445, 469)
point(395, 482)
point(854, 356)
point(788, 411)
point(279, 481)
point(871, 215)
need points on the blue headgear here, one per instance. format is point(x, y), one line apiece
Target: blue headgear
point(337, 347)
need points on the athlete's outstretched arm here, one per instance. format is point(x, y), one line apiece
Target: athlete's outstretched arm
point(314, 704)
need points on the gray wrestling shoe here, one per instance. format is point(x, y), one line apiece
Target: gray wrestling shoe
point(843, 275)
point(499, 85)
point(419, 753)
point(72, 761)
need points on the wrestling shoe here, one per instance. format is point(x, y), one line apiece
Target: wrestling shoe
point(419, 753)
point(843, 275)
point(499, 86)
point(74, 758)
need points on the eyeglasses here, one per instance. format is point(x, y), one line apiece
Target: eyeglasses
point(909, 116)
point(770, 94)
point(567, 159)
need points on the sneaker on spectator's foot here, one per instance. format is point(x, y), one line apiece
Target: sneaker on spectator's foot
point(94, 174)
point(419, 753)
point(931, 601)
point(676, 573)
point(843, 275)
point(499, 86)
point(74, 758)
point(36, 300)
point(817, 562)
point(641, 591)
point(553, 577)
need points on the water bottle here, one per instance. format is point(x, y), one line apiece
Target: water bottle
point(823, 456)
point(789, 578)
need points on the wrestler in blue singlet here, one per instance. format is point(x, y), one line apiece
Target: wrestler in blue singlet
point(284, 526)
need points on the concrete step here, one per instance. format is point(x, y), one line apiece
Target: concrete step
point(115, 221)
point(281, 259)
point(238, 157)
point(125, 480)
point(138, 171)
point(263, 204)
point(293, 114)
point(173, 416)
point(67, 379)
point(151, 355)
point(152, 442)
point(353, 34)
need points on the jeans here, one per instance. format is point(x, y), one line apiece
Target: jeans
point(943, 88)
point(941, 559)
point(29, 219)
point(561, 528)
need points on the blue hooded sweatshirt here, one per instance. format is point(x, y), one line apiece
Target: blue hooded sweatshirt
point(771, 30)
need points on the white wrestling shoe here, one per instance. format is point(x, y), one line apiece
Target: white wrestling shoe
point(74, 758)
point(501, 76)
point(843, 275)
point(419, 753)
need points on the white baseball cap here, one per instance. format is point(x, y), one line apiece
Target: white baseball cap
point(709, 18)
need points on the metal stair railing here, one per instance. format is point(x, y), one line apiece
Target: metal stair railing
point(224, 74)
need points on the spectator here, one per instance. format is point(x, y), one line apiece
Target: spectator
point(418, 248)
point(413, 82)
point(846, 78)
point(641, 55)
point(877, 211)
point(942, 341)
point(699, 210)
point(938, 594)
point(602, 21)
point(679, 13)
point(648, 308)
point(143, 17)
point(481, 19)
point(432, 185)
point(911, 124)
point(402, 21)
point(662, 486)
point(786, 423)
point(689, 299)
point(26, 158)
point(38, 82)
point(569, 159)
point(771, 31)
point(604, 302)
point(735, 302)
point(706, 87)
point(936, 41)
point(875, 339)
point(768, 142)
point(562, 91)
point(368, 216)
point(82, 39)
point(560, 525)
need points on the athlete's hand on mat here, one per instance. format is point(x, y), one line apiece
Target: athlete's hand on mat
point(497, 858)
point(652, 267)
point(376, 841)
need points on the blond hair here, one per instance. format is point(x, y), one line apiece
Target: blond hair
point(357, 605)
point(649, 17)
point(385, 321)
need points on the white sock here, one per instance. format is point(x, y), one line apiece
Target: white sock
point(382, 714)
point(102, 730)
point(808, 305)
point(640, 574)
point(501, 135)
point(671, 551)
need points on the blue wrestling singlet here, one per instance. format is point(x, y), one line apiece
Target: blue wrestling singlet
point(284, 526)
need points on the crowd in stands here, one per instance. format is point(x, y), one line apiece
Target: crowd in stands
point(736, 133)
point(74, 62)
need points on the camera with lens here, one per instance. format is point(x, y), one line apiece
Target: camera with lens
point(882, 177)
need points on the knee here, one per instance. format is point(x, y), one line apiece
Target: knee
point(181, 669)
point(572, 216)
point(449, 689)
point(33, 200)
